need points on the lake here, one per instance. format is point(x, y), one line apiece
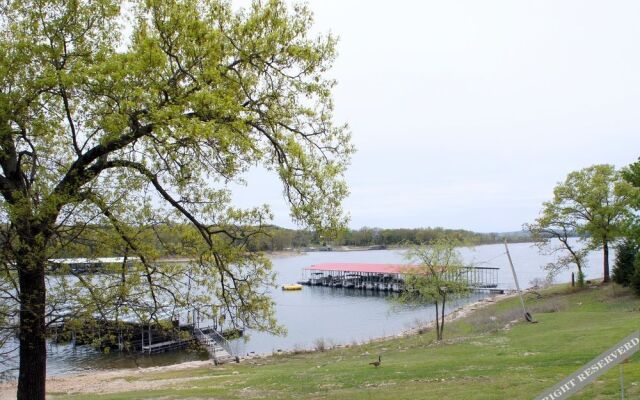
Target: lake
point(335, 315)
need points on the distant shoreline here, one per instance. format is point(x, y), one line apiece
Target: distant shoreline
point(348, 249)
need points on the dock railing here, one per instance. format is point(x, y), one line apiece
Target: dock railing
point(223, 342)
point(390, 277)
point(213, 339)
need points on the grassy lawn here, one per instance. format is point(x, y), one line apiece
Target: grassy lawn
point(479, 359)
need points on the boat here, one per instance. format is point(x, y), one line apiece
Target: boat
point(293, 286)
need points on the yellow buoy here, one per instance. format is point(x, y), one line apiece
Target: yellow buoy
point(294, 286)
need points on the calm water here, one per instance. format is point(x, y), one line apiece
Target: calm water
point(335, 315)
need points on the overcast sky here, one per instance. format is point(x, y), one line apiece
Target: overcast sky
point(465, 114)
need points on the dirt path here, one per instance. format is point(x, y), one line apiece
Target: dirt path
point(111, 381)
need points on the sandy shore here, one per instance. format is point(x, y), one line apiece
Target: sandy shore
point(119, 380)
point(111, 381)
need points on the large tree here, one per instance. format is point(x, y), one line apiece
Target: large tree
point(627, 268)
point(591, 203)
point(141, 116)
point(631, 175)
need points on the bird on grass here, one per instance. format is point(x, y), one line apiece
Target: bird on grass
point(376, 363)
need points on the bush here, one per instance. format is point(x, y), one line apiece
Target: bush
point(580, 281)
point(625, 265)
point(634, 281)
point(320, 345)
point(540, 283)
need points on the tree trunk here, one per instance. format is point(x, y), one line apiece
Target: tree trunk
point(444, 299)
point(605, 251)
point(33, 351)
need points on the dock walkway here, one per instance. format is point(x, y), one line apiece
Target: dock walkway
point(217, 346)
point(169, 345)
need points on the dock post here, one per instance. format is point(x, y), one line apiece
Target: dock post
point(150, 337)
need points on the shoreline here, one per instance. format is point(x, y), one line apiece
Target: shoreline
point(119, 380)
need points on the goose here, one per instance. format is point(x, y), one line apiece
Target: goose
point(376, 363)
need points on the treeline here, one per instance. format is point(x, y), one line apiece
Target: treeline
point(176, 239)
point(277, 239)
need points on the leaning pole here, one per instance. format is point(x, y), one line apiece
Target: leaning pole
point(527, 316)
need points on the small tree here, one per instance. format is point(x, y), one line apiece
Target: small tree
point(623, 269)
point(436, 276)
point(552, 237)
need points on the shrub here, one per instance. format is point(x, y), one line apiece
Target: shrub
point(634, 281)
point(580, 280)
point(624, 267)
point(320, 344)
point(540, 283)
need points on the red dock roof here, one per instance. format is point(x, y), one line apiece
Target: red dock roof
point(361, 267)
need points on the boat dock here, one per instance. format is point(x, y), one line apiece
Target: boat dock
point(387, 277)
point(148, 339)
point(169, 345)
point(209, 338)
point(218, 347)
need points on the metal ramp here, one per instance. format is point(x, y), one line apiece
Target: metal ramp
point(217, 346)
point(161, 347)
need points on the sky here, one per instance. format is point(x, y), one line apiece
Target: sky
point(466, 114)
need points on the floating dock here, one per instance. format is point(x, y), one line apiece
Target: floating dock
point(295, 286)
point(387, 277)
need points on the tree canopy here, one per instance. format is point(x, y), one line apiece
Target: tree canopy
point(631, 175)
point(139, 116)
point(593, 202)
point(627, 266)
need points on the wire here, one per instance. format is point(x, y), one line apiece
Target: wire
point(316, 305)
point(490, 259)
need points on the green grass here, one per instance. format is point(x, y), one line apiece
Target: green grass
point(477, 360)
